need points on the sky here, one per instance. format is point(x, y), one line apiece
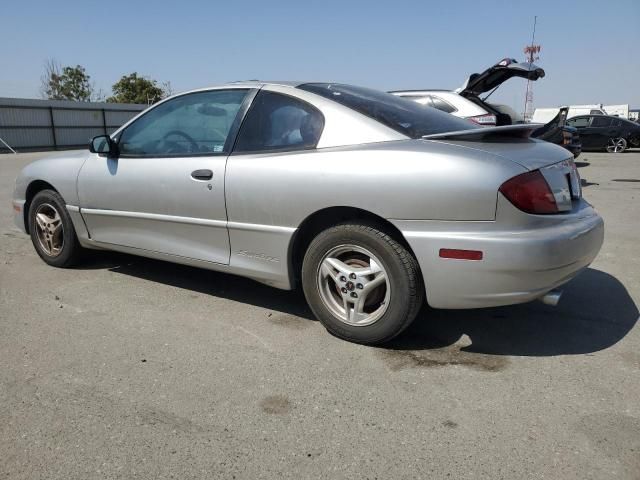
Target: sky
point(589, 48)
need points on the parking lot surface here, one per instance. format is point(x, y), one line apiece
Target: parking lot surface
point(131, 368)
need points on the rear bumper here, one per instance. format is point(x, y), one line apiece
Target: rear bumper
point(519, 264)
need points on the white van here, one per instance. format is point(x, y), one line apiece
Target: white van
point(544, 115)
point(621, 111)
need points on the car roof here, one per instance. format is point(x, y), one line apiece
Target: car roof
point(245, 83)
point(422, 90)
point(260, 84)
point(599, 115)
point(285, 83)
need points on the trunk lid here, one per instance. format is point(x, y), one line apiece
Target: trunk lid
point(513, 143)
point(494, 76)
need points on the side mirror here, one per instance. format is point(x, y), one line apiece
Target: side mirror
point(102, 144)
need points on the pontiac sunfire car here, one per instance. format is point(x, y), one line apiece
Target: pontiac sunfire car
point(370, 202)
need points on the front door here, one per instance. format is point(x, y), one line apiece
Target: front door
point(164, 192)
point(587, 136)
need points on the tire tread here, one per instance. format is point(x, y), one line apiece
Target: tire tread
point(409, 264)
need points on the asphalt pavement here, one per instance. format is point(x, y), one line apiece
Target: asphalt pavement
point(132, 368)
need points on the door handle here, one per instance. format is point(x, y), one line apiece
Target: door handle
point(204, 174)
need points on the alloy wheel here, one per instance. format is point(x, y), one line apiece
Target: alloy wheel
point(616, 145)
point(354, 285)
point(49, 230)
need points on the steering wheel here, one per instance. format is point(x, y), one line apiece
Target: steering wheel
point(193, 146)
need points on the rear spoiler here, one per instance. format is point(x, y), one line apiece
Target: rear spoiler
point(523, 130)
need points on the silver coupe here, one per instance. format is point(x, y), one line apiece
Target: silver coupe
point(370, 202)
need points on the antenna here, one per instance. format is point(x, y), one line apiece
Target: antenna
point(531, 51)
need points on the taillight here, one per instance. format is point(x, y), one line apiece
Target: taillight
point(530, 192)
point(486, 120)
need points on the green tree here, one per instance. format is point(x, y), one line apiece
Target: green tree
point(133, 88)
point(68, 83)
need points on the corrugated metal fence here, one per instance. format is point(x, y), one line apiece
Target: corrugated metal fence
point(27, 124)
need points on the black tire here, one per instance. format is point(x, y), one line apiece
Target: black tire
point(402, 272)
point(70, 251)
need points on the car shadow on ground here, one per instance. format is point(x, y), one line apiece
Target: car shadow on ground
point(595, 311)
point(202, 281)
point(583, 182)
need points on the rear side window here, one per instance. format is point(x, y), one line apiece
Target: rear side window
point(428, 101)
point(442, 105)
point(421, 99)
point(601, 121)
point(279, 122)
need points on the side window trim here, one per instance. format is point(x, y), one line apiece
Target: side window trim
point(284, 149)
point(231, 137)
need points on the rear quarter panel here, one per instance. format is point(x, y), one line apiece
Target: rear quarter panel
point(410, 179)
point(269, 195)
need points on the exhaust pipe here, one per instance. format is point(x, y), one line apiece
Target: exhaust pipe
point(551, 298)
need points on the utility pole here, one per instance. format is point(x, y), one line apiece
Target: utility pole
point(532, 52)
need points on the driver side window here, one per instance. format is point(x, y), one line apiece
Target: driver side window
point(193, 124)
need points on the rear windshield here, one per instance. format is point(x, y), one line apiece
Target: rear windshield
point(405, 116)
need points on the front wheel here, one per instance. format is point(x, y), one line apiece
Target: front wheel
point(363, 285)
point(616, 145)
point(51, 229)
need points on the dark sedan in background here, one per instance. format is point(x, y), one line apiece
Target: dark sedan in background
point(604, 132)
point(559, 132)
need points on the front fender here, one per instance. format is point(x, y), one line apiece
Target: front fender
point(60, 171)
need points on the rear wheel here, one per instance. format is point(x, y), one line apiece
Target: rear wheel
point(51, 229)
point(616, 145)
point(361, 284)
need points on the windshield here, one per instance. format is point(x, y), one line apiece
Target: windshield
point(408, 117)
